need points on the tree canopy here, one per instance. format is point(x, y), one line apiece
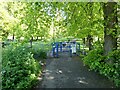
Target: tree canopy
point(52, 20)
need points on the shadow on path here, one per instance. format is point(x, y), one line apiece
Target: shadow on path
point(69, 72)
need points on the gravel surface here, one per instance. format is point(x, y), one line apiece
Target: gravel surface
point(69, 72)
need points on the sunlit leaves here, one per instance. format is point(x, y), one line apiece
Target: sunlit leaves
point(35, 18)
point(84, 18)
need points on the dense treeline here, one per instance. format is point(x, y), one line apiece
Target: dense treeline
point(55, 20)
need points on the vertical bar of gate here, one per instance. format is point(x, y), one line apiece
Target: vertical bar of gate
point(57, 46)
point(60, 46)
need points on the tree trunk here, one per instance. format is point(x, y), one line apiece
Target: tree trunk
point(13, 37)
point(110, 17)
point(99, 42)
point(110, 31)
point(90, 40)
point(31, 42)
point(41, 37)
point(83, 41)
point(37, 38)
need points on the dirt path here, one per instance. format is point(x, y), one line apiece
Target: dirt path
point(69, 72)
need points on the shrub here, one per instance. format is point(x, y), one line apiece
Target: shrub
point(19, 68)
point(39, 52)
point(96, 61)
point(115, 55)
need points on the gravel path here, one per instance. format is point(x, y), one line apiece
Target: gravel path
point(69, 72)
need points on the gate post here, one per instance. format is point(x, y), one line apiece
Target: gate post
point(60, 46)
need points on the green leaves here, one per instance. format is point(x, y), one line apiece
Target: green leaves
point(96, 61)
point(85, 18)
point(34, 19)
point(19, 68)
point(24, 19)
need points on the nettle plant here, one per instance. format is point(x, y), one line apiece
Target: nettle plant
point(19, 68)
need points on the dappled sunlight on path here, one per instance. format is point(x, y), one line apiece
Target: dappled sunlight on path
point(69, 72)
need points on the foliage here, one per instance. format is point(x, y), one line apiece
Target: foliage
point(115, 55)
point(19, 68)
point(24, 20)
point(86, 18)
point(36, 18)
point(55, 20)
point(95, 60)
point(39, 50)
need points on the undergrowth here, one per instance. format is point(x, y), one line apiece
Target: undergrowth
point(98, 62)
point(19, 67)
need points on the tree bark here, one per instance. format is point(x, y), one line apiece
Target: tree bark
point(90, 40)
point(37, 38)
point(99, 43)
point(110, 31)
point(13, 37)
point(83, 41)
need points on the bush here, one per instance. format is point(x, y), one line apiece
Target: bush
point(115, 55)
point(38, 53)
point(19, 68)
point(96, 61)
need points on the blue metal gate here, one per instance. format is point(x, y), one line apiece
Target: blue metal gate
point(64, 47)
